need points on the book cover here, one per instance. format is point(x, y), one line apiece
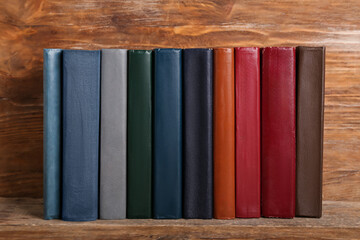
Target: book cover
point(278, 132)
point(139, 134)
point(224, 133)
point(309, 130)
point(113, 134)
point(198, 133)
point(81, 115)
point(52, 132)
point(167, 134)
point(247, 75)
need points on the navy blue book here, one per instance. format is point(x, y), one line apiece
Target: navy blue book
point(167, 165)
point(198, 136)
point(52, 132)
point(81, 114)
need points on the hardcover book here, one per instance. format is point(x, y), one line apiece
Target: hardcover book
point(81, 115)
point(247, 75)
point(168, 134)
point(113, 134)
point(224, 134)
point(198, 135)
point(310, 130)
point(139, 134)
point(278, 132)
point(52, 132)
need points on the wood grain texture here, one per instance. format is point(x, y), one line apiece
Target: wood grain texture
point(21, 219)
point(28, 26)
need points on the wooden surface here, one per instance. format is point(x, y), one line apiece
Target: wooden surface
point(21, 219)
point(26, 27)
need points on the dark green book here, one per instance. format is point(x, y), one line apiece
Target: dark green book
point(139, 134)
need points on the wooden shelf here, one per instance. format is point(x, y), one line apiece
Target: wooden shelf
point(21, 218)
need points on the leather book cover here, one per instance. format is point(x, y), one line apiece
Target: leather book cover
point(247, 88)
point(278, 126)
point(139, 134)
point(81, 117)
point(113, 134)
point(52, 132)
point(167, 165)
point(224, 133)
point(198, 133)
point(310, 130)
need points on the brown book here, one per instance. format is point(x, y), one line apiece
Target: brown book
point(310, 128)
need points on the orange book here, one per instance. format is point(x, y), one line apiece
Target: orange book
point(224, 134)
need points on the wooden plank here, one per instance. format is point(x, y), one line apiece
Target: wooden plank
point(22, 219)
point(176, 232)
point(28, 26)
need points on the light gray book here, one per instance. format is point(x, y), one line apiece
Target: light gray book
point(113, 134)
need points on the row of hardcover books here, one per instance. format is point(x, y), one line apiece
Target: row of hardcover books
point(183, 133)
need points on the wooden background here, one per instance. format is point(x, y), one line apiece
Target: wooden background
point(26, 27)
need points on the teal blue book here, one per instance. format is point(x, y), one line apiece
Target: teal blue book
point(52, 132)
point(167, 163)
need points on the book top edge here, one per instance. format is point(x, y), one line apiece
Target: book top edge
point(279, 48)
point(139, 51)
point(311, 48)
point(247, 48)
point(167, 49)
point(80, 51)
point(198, 49)
point(114, 50)
point(52, 50)
point(224, 49)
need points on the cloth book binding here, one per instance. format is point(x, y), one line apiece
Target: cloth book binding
point(278, 140)
point(81, 118)
point(198, 136)
point(113, 134)
point(224, 133)
point(247, 74)
point(310, 130)
point(52, 132)
point(139, 134)
point(168, 134)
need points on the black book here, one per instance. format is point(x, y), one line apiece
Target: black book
point(198, 136)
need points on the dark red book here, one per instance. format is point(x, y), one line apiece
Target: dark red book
point(278, 121)
point(247, 91)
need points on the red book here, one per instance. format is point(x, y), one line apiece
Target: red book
point(278, 119)
point(247, 88)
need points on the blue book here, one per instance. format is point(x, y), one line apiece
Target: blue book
point(81, 114)
point(167, 165)
point(52, 132)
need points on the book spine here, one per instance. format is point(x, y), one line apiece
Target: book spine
point(247, 75)
point(278, 143)
point(310, 130)
point(198, 137)
point(113, 134)
point(81, 114)
point(224, 134)
point(168, 134)
point(52, 132)
point(139, 134)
